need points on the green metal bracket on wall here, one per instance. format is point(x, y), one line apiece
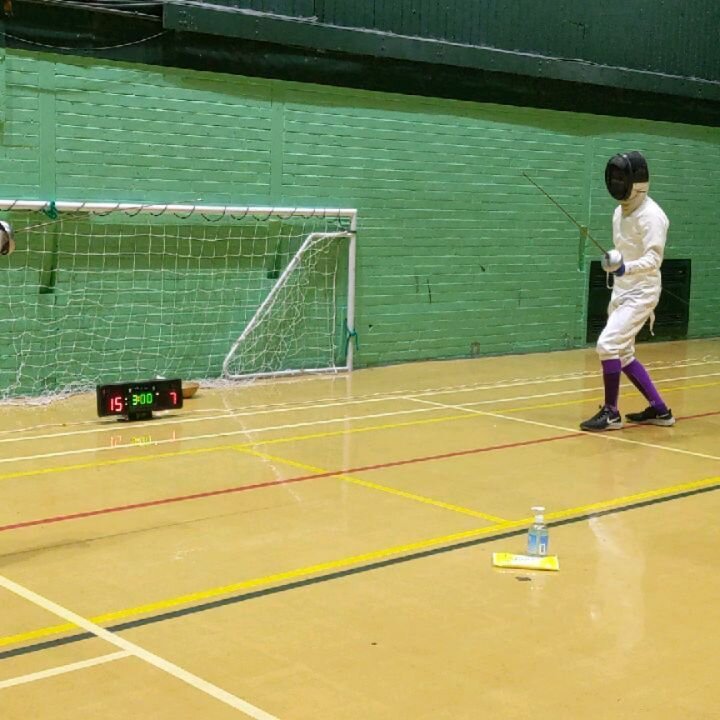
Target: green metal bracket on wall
point(285, 30)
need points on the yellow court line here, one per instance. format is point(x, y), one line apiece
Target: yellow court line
point(299, 438)
point(567, 403)
point(107, 463)
point(256, 582)
point(341, 563)
point(216, 448)
point(632, 499)
point(353, 431)
point(376, 486)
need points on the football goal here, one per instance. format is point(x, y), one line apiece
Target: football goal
point(105, 292)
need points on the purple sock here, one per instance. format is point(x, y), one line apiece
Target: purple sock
point(639, 377)
point(611, 378)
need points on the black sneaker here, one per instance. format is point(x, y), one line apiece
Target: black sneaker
point(606, 419)
point(650, 416)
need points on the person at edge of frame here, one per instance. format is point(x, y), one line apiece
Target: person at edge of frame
point(7, 238)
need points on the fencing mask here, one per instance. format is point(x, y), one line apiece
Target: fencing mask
point(626, 172)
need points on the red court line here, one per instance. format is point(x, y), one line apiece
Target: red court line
point(274, 483)
point(696, 417)
point(302, 478)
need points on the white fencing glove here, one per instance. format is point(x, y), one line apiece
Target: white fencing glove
point(613, 262)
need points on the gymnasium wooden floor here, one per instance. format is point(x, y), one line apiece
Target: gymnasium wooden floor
point(320, 549)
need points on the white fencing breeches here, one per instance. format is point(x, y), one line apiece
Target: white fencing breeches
point(628, 311)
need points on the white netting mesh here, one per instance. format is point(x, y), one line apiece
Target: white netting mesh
point(290, 330)
point(92, 297)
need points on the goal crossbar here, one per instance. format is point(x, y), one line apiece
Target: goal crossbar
point(105, 291)
point(156, 208)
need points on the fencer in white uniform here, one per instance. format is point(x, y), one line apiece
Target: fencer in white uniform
point(639, 234)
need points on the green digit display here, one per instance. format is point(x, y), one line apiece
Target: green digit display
point(142, 399)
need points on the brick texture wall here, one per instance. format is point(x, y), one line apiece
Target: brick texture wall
point(459, 254)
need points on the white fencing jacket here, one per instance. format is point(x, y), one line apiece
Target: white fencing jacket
point(640, 237)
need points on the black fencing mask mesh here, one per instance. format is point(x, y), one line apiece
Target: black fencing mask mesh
point(623, 171)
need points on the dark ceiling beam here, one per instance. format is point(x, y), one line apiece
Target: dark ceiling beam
point(84, 32)
point(266, 27)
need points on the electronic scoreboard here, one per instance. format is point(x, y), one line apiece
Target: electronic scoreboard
point(138, 400)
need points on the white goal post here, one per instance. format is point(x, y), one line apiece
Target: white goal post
point(104, 292)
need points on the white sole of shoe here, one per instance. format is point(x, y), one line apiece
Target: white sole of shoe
point(614, 426)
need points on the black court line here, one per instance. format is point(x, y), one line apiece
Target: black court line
point(234, 599)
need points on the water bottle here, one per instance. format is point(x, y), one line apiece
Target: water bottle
point(537, 538)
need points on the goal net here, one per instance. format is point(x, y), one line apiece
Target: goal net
point(101, 292)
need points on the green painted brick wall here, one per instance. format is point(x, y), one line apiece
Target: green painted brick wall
point(458, 254)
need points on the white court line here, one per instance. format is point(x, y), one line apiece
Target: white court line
point(590, 374)
point(62, 670)
point(255, 411)
point(216, 435)
point(612, 435)
point(135, 650)
point(575, 391)
point(115, 427)
point(309, 423)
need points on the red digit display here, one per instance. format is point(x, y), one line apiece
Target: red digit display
point(173, 397)
point(116, 404)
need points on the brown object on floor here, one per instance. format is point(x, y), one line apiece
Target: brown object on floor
point(189, 389)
